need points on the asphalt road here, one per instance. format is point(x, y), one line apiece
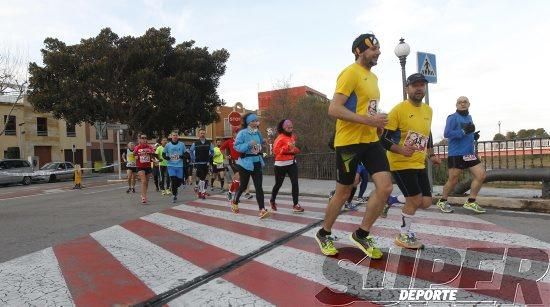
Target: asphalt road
point(41, 215)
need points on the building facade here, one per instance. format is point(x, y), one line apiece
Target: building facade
point(265, 99)
point(41, 138)
point(38, 137)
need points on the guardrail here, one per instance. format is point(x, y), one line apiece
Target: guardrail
point(517, 154)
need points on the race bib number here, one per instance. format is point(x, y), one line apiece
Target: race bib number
point(131, 164)
point(256, 149)
point(218, 166)
point(416, 140)
point(469, 158)
point(373, 107)
point(144, 159)
point(174, 157)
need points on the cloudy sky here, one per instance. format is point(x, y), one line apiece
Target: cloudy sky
point(495, 52)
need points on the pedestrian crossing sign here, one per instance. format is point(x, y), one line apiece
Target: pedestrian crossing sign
point(427, 66)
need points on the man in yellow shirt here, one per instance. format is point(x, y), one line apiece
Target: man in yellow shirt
point(355, 105)
point(408, 139)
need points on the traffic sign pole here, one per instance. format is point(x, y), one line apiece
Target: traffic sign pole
point(118, 150)
point(426, 65)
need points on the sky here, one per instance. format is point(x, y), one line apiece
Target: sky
point(494, 52)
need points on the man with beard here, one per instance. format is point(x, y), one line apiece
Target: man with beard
point(407, 137)
point(355, 105)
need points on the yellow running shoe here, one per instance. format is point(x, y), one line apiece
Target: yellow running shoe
point(473, 206)
point(367, 245)
point(326, 244)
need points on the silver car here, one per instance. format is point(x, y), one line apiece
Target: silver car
point(54, 171)
point(15, 171)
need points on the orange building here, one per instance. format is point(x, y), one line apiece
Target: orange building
point(265, 98)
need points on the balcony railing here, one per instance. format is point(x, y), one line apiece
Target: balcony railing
point(42, 133)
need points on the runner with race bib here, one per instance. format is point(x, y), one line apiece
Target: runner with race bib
point(144, 154)
point(407, 138)
point(459, 129)
point(173, 154)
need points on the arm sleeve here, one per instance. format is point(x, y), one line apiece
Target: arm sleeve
point(386, 139)
point(240, 143)
point(430, 141)
point(452, 130)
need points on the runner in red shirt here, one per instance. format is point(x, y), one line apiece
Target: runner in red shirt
point(233, 157)
point(144, 154)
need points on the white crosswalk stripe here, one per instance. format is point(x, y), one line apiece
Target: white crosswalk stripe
point(164, 250)
point(34, 279)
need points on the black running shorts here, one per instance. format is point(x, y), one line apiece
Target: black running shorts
point(412, 182)
point(147, 170)
point(460, 163)
point(372, 155)
point(202, 171)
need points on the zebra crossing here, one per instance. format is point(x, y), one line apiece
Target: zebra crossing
point(143, 259)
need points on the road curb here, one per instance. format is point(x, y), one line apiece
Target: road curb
point(514, 204)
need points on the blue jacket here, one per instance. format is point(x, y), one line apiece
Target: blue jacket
point(460, 144)
point(242, 145)
point(175, 153)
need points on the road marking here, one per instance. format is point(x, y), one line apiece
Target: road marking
point(33, 279)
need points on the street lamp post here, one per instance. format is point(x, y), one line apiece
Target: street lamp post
point(499, 127)
point(402, 50)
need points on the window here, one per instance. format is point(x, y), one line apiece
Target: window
point(41, 126)
point(11, 125)
point(20, 163)
point(71, 130)
point(190, 132)
point(103, 129)
point(69, 165)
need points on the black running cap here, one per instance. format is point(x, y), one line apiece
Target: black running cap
point(416, 78)
point(364, 42)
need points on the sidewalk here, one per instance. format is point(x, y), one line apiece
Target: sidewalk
point(512, 199)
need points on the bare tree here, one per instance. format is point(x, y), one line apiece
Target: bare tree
point(13, 80)
point(281, 105)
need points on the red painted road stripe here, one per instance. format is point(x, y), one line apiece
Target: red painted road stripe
point(278, 287)
point(405, 266)
point(95, 277)
point(237, 227)
point(420, 220)
point(440, 240)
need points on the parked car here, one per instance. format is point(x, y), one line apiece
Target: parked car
point(54, 171)
point(10, 168)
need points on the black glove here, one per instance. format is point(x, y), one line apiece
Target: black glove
point(469, 128)
point(476, 135)
point(181, 157)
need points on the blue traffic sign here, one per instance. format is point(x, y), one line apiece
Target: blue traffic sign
point(427, 66)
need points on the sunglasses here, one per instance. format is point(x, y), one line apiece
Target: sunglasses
point(143, 137)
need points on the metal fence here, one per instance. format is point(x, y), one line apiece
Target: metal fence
point(526, 153)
